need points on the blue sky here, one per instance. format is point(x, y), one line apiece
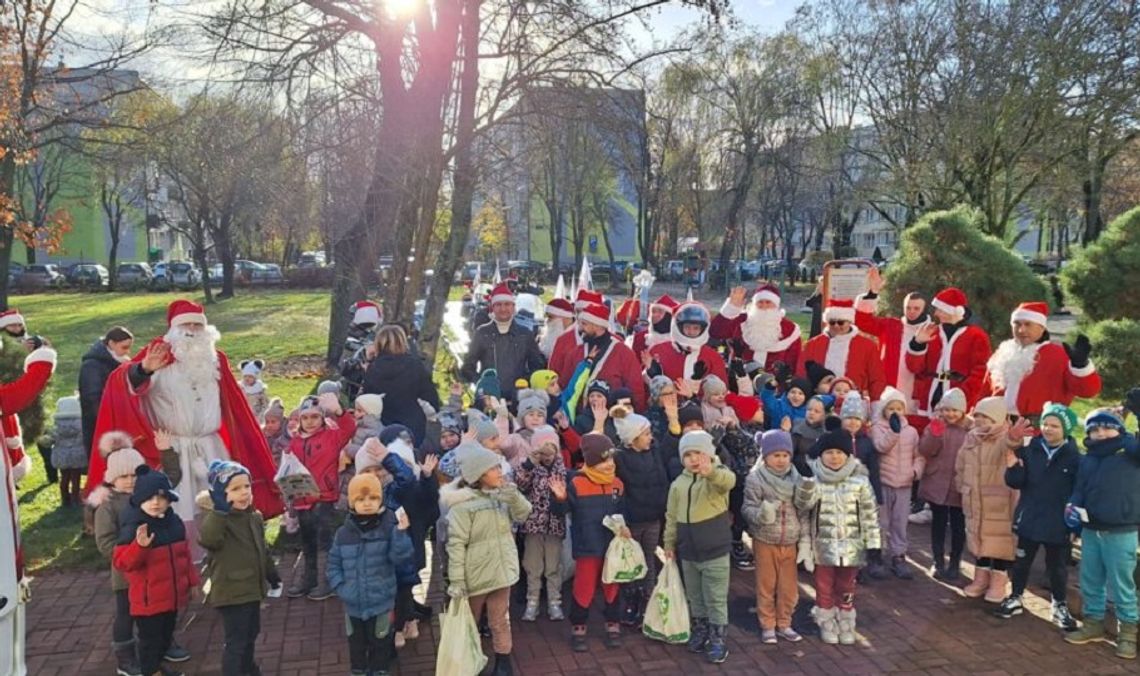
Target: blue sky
point(767, 15)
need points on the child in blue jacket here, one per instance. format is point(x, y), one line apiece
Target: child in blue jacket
point(782, 412)
point(366, 552)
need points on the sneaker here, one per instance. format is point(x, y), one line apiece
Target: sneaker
point(900, 568)
point(1009, 607)
point(742, 558)
point(176, 653)
point(1062, 617)
point(922, 518)
point(790, 635)
point(768, 636)
point(400, 640)
point(169, 671)
point(412, 630)
point(531, 612)
point(578, 639)
point(554, 612)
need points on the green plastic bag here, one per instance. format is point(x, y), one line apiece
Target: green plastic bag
point(460, 649)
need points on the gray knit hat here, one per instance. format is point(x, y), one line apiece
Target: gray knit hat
point(475, 461)
point(713, 385)
point(486, 429)
point(531, 403)
point(853, 407)
point(696, 440)
point(657, 385)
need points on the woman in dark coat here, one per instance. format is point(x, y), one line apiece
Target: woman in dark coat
point(403, 378)
point(105, 355)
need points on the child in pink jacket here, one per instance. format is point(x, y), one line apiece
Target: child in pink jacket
point(899, 465)
point(516, 447)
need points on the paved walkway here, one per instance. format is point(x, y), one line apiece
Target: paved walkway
point(916, 627)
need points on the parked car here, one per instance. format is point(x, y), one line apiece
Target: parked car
point(134, 274)
point(45, 276)
point(15, 271)
point(88, 275)
point(184, 275)
point(311, 259)
point(161, 279)
point(216, 274)
point(269, 274)
point(674, 271)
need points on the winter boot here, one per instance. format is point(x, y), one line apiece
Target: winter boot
point(322, 591)
point(717, 650)
point(938, 565)
point(742, 559)
point(126, 658)
point(952, 572)
point(981, 583)
point(1062, 617)
point(875, 568)
point(1126, 640)
point(999, 587)
point(176, 653)
point(1010, 607)
point(827, 619)
point(900, 568)
point(632, 606)
point(304, 579)
point(1091, 630)
point(846, 622)
point(578, 639)
point(698, 635)
point(613, 635)
point(503, 665)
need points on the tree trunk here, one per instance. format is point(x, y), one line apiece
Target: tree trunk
point(223, 244)
point(736, 207)
point(1091, 190)
point(200, 260)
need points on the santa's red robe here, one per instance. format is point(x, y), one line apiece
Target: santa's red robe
point(862, 365)
point(121, 409)
point(968, 352)
point(1053, 379)
point(13, 438)
point(641, 340)
point(618, 367)
point(727, 327)
point(893, 335)
point(672, 361)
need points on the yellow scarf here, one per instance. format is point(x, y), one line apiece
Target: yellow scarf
point(598, 476)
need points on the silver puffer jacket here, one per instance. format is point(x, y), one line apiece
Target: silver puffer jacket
point(844, 521)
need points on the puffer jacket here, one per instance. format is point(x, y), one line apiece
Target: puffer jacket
point(988, 503)
point(481, 551)
point(899, 461)
point(781, 521)
point(1046, 484)
point(844, 520)
point(239, 567)
point(646, 479)
point(1108, 484)
point(97, 365)
point(588, 503)
point(698, 525)
point(363, 564)
point(534, 482)
point(110, 505)
point(68, 451)
point(941, 454)
point(320, 454)
point(159, 577)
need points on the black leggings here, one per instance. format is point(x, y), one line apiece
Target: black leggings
point(945, 515)
point(1000, 565)
point(1056, 562)
point(123, 628)
point(155, 635)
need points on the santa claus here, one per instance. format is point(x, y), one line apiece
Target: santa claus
point(759, 332)
point(14, 326)
point(660, 326)
point(952, 353)
point(844, 352)
point(614, 361)
point(559, 319)
point(1028, 370)
point(181, 384)
point(686, 355)
point(569, 344)
point(38, 367)
point(893, 333)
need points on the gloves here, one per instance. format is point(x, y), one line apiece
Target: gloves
point(456, 592)
point(654, 369)
point(1079, 351)
point(736, 368)
point(1072, 517)
point(171, 466)
point(805, 555)
point(218, 497)
point(783, 374)
point(700, 370)
point(896, 423)
point(768, 512)
point(937, 427)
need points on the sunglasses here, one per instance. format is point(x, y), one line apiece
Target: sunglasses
point(837, 322)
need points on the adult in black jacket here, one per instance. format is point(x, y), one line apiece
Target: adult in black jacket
point(504, 345)
point(104, 356)
point(403, 378)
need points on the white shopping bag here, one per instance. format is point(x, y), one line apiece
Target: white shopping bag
point(667, 616)
point(460, 649)
point(294, 479)
point(625, 562)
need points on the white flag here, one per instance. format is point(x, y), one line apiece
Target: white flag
point(560, 288)
point(498, 276)
point(585, 281)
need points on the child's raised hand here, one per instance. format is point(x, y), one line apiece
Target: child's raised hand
point(786, 424)
point(625, 533)
point(704, 465)
point(683, 388)
point(561, 420)
point(558, 487)
point(402, 522)
point(162, 440)
point(1020, 429)
point(430, 463)
point(375, 448)
point(329, 402)
point(143, 535)
point(455, 389)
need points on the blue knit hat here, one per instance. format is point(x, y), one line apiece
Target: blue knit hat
point(1103, 417)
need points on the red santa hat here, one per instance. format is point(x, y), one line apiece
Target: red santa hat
point(595, 313)
point(664, 303)
point(1034, 311)
point(766, 292)
point(184, 311)
point(952, 301)
point(366, 312)
point(11, 318)
point(839, 310)
point(502, 294)
point(586, 297)
point(744, 406)
point(628, 314)
point(560, 307)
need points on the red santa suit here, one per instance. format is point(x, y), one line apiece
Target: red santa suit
point(679, 357)
point(652, 336)
point(893, 334)
point(618, 366)
point(1029, 376)
point(222, 425)
point(848, 355)
point(15, 396)
point(764, 336)
point(955, 358)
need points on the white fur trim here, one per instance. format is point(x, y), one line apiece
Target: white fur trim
point(867, 305)
point(21, 469)
point(838, 347)
point(188, 318)
point(730, 311)
point(593, 319)
point(1021, 315)
point(13, 442)
point(840, 313)
point(955, 310)
point(12, 319)
point(765, 295)
point(558, 312)
point(502, 298)
point(367, 314)
point(1086, 370)
point(40, 354)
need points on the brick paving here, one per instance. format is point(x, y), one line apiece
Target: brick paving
point(916, 627)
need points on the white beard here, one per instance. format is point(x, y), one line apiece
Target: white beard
point(1011, 363)
point(550, 335)
point(761, 330)
point(195, 356)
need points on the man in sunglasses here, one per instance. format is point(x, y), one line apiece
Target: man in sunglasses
point(844, 352)
point(951, 353)
point(893, 333)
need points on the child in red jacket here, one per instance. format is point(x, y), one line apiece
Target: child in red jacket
point(317, 445)
point(153, 554)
